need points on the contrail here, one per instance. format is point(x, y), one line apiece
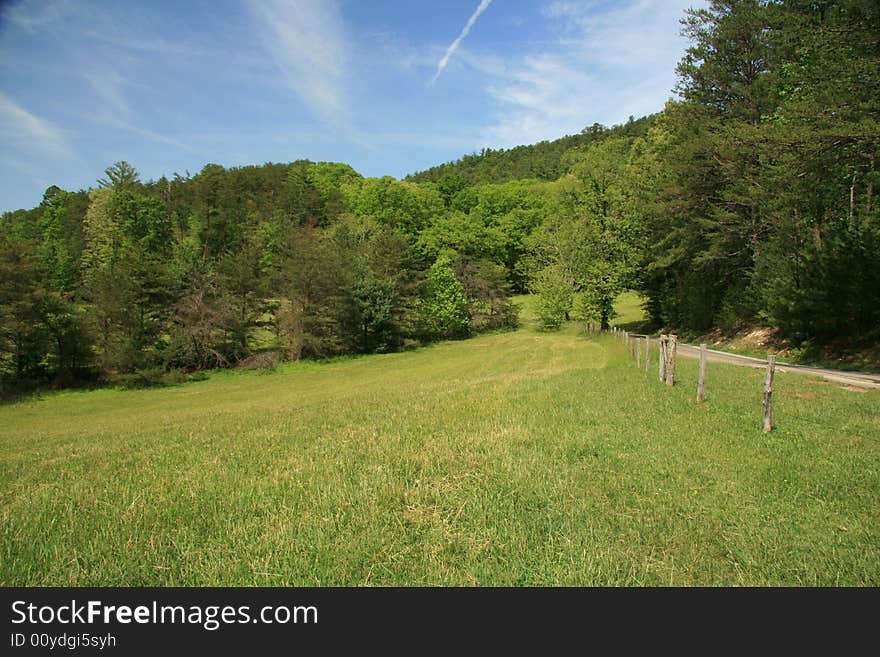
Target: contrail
point(452, 48)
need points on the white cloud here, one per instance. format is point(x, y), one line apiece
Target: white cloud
point(484, 4)
point(17, 124)
point(605, 66)
point(307, 41)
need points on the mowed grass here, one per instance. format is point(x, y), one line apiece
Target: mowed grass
point(630, 313)
point(520, 458)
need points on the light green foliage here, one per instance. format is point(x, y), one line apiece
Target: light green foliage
point(329, 177)
point(489, 222)
point(444, 307)
point(188, 254)
point(589, 245)
point(126, 276)
point(404, 206)
point(449, 185)
point(554, 296)
point(103, 234)
point(464, 234)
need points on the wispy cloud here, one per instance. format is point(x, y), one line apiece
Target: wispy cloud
point(109, 86)
point(32, 15)
point(114, 110)
point(307, 41)
point(484, 4)
point(18, 124)
point(134, 40)
point(605, 66)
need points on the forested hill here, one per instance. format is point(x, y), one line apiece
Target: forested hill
point(546, 160)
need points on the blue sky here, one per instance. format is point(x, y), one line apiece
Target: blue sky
point(390, 87)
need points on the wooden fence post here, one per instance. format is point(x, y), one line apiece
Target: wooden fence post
point(662, 358)
point(670, 365)
point(638, 353)
point(647, 353)
point(702, 384)
point(768, 393)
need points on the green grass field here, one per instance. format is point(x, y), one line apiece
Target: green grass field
point(521, 458)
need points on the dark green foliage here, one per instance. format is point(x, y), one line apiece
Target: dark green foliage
point(837, 292)
point(588, 243)
point(121, 176)
point(61, 236)
point(241, 276)
point(764, 207)
point(202, 329)
point(316, 290)
point(487, 292)
point(42, 332)
point(192, 272)
point(375, 311)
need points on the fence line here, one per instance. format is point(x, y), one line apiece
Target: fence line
point(666, 347)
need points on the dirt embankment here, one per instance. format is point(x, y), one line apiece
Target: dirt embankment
point(758, 341)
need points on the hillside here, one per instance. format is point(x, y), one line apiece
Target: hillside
point(546, 160)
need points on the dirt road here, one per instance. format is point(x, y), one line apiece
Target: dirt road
point(838, 376)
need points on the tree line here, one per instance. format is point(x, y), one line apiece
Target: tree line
point(763, 175)
point(546, 160)
point(749, 198)
point(137, 282)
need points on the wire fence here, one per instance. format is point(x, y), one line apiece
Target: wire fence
point(641, 347)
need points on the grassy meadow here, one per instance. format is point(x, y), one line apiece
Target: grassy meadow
point(520, 458)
